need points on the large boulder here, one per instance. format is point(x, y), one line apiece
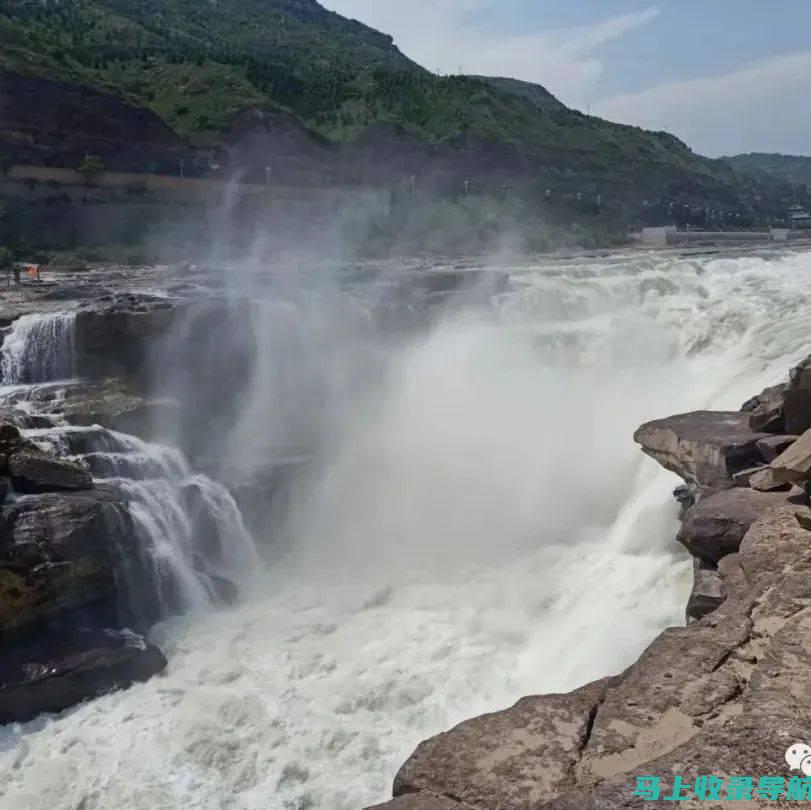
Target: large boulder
point(794, 463)
point(773, 446)
point(796, 411)
point(512, 758)
point(708, 592)
point(715, 526)
point(59, 672)
point(34, 472)
point(62, 553)
point(703, 447)
point(768, 415)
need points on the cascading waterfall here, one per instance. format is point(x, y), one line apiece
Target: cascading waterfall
point(482, 528)
point(39, 348)
point(192, 534)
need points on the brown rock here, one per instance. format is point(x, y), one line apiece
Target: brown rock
point(764, 481)
point(797, 410)
point(768, 416)
point(726, 695)
point(512, 758)
point(708, 591)
point(715, 526)
point(794, 464)
point(771, 447)
point(703, 447)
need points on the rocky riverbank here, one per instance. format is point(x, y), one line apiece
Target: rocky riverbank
point(115, 407)
point(726, 694)
point(102, 531)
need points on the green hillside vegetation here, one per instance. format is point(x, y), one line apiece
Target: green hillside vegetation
point(197, 65)
point(792, 169)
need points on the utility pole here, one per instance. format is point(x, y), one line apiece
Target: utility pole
point(182, 167)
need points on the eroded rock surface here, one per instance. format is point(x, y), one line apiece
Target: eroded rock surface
point(536, 744)
point(726, 695)
point(716, 525)
point(60, 671)
point(703, 447)
point(33, 472)
point(60, 553)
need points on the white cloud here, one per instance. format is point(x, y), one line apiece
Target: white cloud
point(439, 35)
point(764, 106)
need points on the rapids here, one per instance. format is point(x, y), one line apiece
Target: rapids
point(480, 527)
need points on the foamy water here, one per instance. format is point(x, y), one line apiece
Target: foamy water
point(482, 528)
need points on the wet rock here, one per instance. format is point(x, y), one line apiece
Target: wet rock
point(797, 410)
point(9, 433)
point(60, 553)
point(771, 447)
point(116, 337)
point(36, 472)
point(116, 404)
point(512, 758)
point(703, 447)
point(715, 526)
point(794, 463)
point(708, 592)
point(59, 672)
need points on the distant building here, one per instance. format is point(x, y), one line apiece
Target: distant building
point(797, 217)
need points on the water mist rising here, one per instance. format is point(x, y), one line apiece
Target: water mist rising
point(474, 524)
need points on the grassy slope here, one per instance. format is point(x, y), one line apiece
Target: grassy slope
point(792, 169)
point(199, 64)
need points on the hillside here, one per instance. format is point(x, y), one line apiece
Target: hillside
point(328, 99)
point(792, 169)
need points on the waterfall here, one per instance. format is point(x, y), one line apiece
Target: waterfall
point(193, 539)
point(191, 530)
point(39, 348)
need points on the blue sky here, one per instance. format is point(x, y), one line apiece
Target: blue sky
point(725, 76)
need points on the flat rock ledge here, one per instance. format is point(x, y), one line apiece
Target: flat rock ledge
point(726, 694)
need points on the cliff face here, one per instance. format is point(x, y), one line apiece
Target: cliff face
point(726, 695)
point(56, 123)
